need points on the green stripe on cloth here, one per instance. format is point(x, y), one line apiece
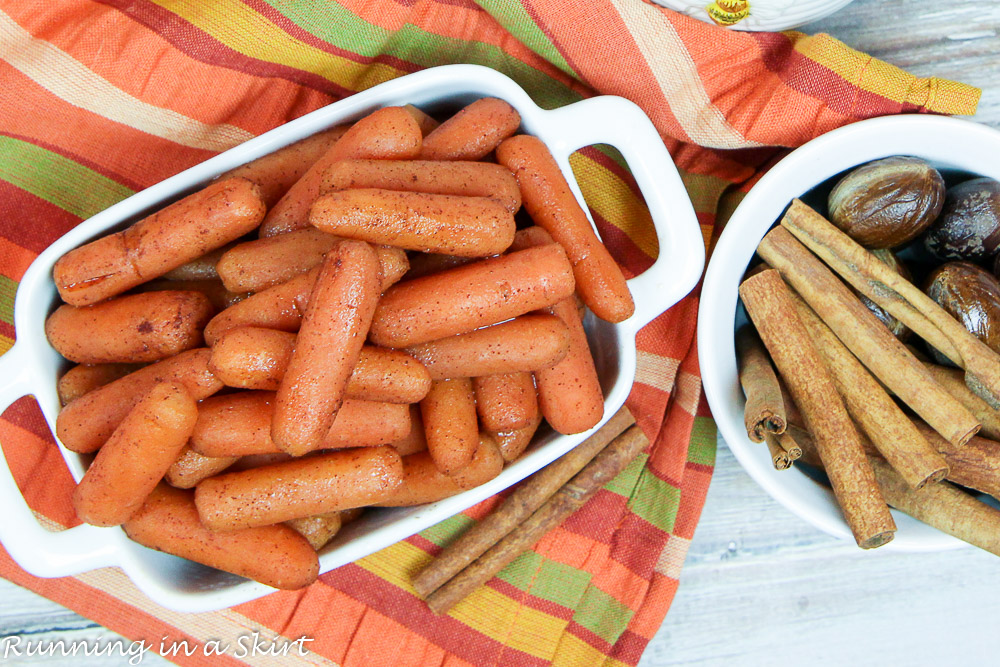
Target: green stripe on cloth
point(515, 18)
point(446, 531)
point(546, 579)
point(342, 28)
point(655, 501)
point(625, 482)
point(603, 615)
point(703, 439)
point(7, 289)
point(57, 179)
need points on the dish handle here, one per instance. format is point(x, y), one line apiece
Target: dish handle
point(624, 125)
point(41, 552)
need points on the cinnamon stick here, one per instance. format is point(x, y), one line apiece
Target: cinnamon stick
point(570, 497)
point(518, 506)
point(953, 381)
point(891, 431)
point(769, 304)
point(867, 338)
point(899, 297)
point(975, 465)
point(779, 455)
point(791, 446)
point(944, 507)
point(764, 411)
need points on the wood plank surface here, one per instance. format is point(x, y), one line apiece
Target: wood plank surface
point(760, 586)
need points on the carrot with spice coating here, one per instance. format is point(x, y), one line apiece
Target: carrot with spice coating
point(462, 299)
point(273, 555)
point(189, 228)
point(130, 329)
point(136, 456)
point(84, 425)
point(549, 200)
point(85, 378)
point(506, 401)
point(299, 488)
point(389, 133)
point(527, 343)
point(192, 467)
point(254, 266)
point(449, 414)
point(447, 224)
point(513, 443)
point(468, 179)
point(473, 132)
point(333, 330)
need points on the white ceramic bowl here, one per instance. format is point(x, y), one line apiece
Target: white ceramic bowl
point(32, 366)
point(947, 143)
point(765, 15)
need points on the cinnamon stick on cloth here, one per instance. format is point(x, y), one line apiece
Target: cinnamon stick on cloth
point(770, 306)
point(867, 338)
point(889, 429)
point(518, 506)
point(605, 467)
point(899, 297)
point(942, 506)
point(764, 411)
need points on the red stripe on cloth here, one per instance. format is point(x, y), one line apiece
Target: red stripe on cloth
point(40, 473)
point(14, 259)
point(637, 545)
point(624, 175)
point(624, 250)
point(444, 631)
point(48, 221)
point(589, 637)
point(201, 46)
point(24, 413)
point(529, 600)
point(816, 80)
point(599, 517)
point(424, 544)
point(629, 648)
point(7, 330)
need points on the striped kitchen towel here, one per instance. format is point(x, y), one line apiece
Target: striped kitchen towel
point(103, 98)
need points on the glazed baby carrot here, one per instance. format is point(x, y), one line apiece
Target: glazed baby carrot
point(449, 414)
point(318, 529)
point(513, 443)
point(299, 488)
point(527, 343)
point(473, 132)
point(569, 393)
point(84, 425)
point(276, 307)
point(192, 467)
point(192, 227)
point(472, 296)
point(256, 358)
point(424, 483)
point(425, 122)
point(85, 378)
point(136, 456)
point(469, 179)
point(256, 265)
point(506, 401)
point(452, 225)
point(276, 172)
point(551, 203)
point(273, 555)
point(240, 425)
point(130, 329)
point(327, 348)
point(211, 288)
point(199, 268)
point(415, 440)
point(387, 134)
point(530, 237)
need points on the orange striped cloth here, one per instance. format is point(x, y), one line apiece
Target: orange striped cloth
point(104, 98)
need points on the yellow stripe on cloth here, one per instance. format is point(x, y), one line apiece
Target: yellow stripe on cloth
point(70, 80)
point(396, 564)
point(574, 652)
point(615, 202)
point(677, 75)
point(242, 29)
point(881, 78)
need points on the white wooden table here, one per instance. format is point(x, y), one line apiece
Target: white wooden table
point(760, 586)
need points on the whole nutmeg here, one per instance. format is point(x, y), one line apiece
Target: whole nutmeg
point(969, 225)
point(898, 329)
point(888, 202)
point(972, 295)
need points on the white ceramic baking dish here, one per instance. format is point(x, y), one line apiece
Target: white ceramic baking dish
point(32, 366)
point(948, 144)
